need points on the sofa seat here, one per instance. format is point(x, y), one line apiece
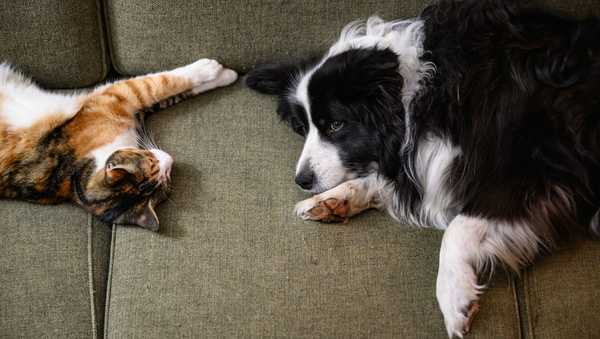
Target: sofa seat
point(53, 267)
point(232, 260)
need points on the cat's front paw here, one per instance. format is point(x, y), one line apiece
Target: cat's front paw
point(206, 74)
point(201, 71)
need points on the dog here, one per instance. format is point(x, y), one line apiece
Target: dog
point(479, 117)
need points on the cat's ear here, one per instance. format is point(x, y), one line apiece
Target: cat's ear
point(143, 216)
point(115, 173)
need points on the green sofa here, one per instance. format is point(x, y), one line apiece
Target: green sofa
point(231, 259)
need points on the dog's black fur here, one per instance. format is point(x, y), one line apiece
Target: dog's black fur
point(516, 89)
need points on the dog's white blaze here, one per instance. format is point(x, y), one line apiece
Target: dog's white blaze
point(23, 103)
point(320, 156)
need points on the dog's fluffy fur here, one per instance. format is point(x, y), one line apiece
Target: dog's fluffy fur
point(480, 117)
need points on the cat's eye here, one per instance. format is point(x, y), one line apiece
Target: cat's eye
point(335, 126)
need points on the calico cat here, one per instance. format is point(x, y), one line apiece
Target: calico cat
point(91, 148)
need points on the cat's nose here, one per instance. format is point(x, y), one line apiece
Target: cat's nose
point(165, 162)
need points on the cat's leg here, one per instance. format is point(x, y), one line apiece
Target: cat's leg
point(343, 201)
point(132, 95)
point(206, 74)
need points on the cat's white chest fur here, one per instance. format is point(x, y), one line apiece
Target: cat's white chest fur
point(126, 140)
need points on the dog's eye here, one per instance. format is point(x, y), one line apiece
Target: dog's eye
point(335, 126)
point(298, 127)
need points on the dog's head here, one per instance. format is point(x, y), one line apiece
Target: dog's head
point(344, 105)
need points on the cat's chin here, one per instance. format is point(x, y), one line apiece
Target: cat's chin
point(165, 162)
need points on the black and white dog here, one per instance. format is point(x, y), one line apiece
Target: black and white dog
point(480, 118)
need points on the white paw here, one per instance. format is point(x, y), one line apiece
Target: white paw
point(303, 207)
point(199, 72)
point(224, 77)
point(457, 294)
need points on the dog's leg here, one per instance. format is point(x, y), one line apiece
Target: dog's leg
point(342, 202)
point(469, 245)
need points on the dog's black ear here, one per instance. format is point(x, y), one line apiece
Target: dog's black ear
point(272, 79)
point(276, 79)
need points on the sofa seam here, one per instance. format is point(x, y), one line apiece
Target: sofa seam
point(530, 298)
point(518, 315)
point(103, 41)
point(90, 264)
point(109, 280)
point(110, 42)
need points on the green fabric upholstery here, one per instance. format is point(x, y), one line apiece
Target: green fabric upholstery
point(562, 297)
point(45, 287)
point(58, 42)
point(232, 260)
point(151, 35)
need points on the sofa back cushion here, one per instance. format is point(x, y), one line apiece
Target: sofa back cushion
point(151, 35)
point(57, 42)
point(147, 36)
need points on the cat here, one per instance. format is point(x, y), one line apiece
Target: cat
point(91, 148)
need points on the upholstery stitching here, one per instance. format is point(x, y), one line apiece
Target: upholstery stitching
point(513, 286)
point(90, 264)
point(529, 299)
point(109, 279)
point(106, 60)
point(109, 40)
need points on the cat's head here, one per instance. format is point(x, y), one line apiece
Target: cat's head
point(127, 188)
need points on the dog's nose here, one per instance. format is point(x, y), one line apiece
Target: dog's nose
point(305, 179)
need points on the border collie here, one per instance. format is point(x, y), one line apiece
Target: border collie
point(479, 117)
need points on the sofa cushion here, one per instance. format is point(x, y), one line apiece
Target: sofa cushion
point(232, 260)
point(59, 43)
point(52, 271)
point(562, 298)
point(150, 35)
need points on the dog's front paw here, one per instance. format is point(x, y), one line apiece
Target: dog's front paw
point(330, 210)
point(458, 300)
